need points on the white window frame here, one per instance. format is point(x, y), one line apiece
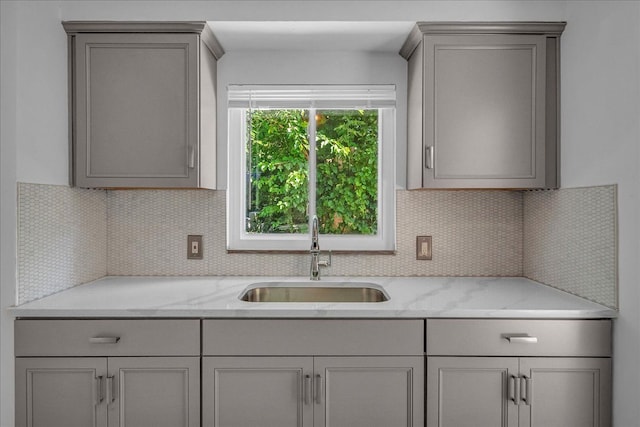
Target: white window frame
point(240, 240)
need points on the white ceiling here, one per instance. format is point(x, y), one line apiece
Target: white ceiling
point(311, 35)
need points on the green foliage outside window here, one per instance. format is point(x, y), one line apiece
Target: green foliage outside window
point(347, 171)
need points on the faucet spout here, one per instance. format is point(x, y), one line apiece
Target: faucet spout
point(316, 263)
point(315, 246)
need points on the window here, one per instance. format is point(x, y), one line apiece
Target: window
point(299, 151)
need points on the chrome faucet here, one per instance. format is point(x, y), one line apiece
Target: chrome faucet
point(316, 263)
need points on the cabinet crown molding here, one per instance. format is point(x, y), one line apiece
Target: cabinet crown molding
point(467, 28)
point(73, 27)
point(194, 27)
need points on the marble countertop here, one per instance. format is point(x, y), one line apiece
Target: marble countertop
point(410, 297)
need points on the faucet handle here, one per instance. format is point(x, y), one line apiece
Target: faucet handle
point(325, 262)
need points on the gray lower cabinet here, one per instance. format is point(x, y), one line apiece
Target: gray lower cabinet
point(108, 392)
point(154, 392)
point(257, 391)
point(368, 391)
point(566, 392)
point(143, 99)
point(107, 373)
point(60, 392)
point(470, 392)
point(313, 372)
point(524, 373)
point(483, 105)
point(524, 392)
point(313, 391)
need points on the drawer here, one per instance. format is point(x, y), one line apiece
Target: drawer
point(153, 337)
point(311, 337)
point(500, 337)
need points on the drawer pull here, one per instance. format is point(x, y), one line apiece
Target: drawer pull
point(104, 340)
point(521, 339)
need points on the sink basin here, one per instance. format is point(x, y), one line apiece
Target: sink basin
point(314, 292)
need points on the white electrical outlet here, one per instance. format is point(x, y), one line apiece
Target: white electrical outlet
point(194, 246)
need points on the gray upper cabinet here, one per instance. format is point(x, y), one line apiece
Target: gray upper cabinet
point(483, 105)
point(143, 104)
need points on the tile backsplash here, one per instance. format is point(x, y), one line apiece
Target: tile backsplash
point(147, 231)
point(62, 238)
point(570, 240)
point(68, 236)
point(474, 234)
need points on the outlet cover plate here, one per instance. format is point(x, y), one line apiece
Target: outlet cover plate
point(194, 246)
point(423, 247)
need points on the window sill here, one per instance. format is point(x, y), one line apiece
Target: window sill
point(302, 252)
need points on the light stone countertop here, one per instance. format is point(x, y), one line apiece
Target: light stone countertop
point(410, 297)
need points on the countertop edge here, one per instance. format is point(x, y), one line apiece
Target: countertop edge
point(314, 314)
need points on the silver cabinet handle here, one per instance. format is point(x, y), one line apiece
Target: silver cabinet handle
point(510, 388)
point(428, 156)
point(192, 157)
point(111, 391)
point(514, 389)
point(307, 389)
point(521, 339)
point(318, 381)
point(527, 390)
point(99, 389)
point(104, 340)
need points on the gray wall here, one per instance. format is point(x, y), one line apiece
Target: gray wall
point(600, 145)
point(600, 107)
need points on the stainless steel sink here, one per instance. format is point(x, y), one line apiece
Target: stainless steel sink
point(314, 292)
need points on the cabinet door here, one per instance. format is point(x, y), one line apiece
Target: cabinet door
point(257, 392)
point(136, 100)
point(484, 112)
point(566, 392)
point(60, 392)
point(154, 391)
point(369, 391)
point(471, 392)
